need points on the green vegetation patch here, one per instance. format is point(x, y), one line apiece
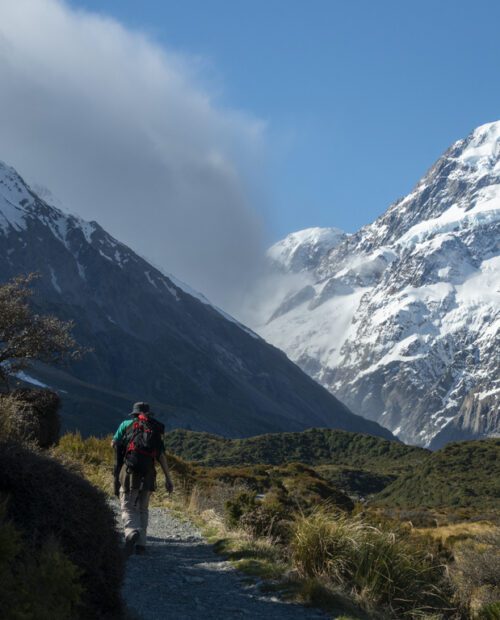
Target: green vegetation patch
point(314, 446)
point(37, 583)
point(460, 475)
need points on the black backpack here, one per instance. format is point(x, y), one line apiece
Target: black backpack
point(143, 444)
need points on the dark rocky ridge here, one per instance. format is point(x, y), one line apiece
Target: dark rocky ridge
point(151, 340)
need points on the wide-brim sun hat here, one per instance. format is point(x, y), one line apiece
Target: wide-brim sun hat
point(141, 407)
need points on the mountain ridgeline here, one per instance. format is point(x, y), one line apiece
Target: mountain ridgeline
point(401, 320)
point(151, 337)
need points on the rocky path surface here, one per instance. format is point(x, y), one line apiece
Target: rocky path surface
point(182, 578)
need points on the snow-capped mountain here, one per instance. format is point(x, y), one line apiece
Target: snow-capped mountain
point(303, 250)
point(401, 320)
point(153, 338)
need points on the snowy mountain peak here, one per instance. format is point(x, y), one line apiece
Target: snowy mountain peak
point(19, 205)
point(14, 197)
point(481, 150)
point(299, 250)
point(401, 320)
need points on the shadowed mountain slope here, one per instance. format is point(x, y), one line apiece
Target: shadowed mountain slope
point(152, 337)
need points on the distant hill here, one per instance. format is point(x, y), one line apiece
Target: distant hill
point(314, 446)
point(463, 474)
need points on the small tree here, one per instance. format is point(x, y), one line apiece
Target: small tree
point(26, 336)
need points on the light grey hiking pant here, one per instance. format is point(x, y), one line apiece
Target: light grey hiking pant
point(134, 507)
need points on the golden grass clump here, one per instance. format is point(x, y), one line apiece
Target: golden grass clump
point(380, 568)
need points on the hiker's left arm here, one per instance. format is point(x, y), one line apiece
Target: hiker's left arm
point(162, 459)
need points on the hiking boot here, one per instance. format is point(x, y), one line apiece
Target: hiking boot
point(130, 543)
point(140, 550)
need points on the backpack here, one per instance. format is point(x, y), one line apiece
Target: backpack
point(143, 443)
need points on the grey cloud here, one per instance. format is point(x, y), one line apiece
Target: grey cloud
point(122, 132)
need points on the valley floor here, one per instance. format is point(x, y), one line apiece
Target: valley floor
point(183, 578)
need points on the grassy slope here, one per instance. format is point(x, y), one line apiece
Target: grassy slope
point(463, 474)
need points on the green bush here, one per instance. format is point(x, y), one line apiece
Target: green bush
point(294, 488)
point(48, 502)
point(305, 489)
point(38, 584)
point(270, 519)
point(384, 569)
point(239, 505)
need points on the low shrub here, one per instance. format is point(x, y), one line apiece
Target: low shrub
point(306, 488)
point(239, 505)
point(268, 519)
point(212, 497)
point(30, 416)
point(294, 488)
point(35, 583)
point(382, 568)
point(47, 501)
point(476, 571)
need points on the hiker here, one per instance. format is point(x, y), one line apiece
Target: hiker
point(138, 443)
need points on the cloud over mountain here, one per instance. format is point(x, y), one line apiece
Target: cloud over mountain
point(126, 132)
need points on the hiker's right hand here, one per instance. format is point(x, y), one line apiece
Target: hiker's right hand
point(169, 486)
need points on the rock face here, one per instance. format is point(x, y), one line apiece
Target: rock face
point(401, 319)
point(152, 337)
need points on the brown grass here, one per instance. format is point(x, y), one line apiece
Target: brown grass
point(448, 534)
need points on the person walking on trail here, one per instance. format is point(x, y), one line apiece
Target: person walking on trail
point(138, 443)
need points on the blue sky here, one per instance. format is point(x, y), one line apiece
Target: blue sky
point(359, 97)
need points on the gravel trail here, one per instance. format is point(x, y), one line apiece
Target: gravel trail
point(182, 578)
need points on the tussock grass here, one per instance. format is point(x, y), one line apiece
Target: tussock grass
point(256, 557)
point(382, 569)
point(92, 450)
point(93, 457)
